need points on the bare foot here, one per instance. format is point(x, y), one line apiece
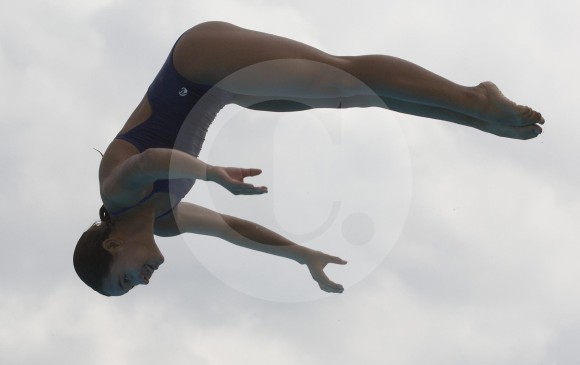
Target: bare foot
point(524, 132)
point(504, 112)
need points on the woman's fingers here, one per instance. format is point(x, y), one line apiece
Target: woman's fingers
point(251, 172)
point(247, 189)
point(331, 287)
point(336, 260)
point(233, 180)
point(320, 276)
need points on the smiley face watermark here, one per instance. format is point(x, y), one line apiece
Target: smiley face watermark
point(340, 181)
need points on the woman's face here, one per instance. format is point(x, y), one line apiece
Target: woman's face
point(133, 264)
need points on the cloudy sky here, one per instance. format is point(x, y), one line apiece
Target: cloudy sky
point(462, 246)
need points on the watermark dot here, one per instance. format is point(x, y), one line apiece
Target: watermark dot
point(358, 229)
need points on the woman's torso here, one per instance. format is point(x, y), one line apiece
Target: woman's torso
point(175, 113)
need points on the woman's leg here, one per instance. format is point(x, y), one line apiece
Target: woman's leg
point(260, 67)
point(365, 101)
point(502, 130)
point(399, 80)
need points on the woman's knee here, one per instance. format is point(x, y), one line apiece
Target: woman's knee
point(341, 72)
point(214, 25)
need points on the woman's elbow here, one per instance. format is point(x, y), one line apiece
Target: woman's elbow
point(152, 162)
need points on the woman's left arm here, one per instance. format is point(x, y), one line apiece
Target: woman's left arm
point(196, 219)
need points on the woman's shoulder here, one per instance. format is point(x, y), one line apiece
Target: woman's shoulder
point(113, 194)
point(115, 155)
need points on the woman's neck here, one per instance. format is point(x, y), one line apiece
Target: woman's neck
point(136, 221)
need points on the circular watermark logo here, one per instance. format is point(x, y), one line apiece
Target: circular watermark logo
point(339, 177)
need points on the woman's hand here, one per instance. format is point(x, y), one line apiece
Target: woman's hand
point(232, 178)
point(316, 261)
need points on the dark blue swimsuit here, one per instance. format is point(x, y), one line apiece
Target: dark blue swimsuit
point(182, 112)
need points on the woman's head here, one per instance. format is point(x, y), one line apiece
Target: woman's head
point(91, 261)
point(113, 258)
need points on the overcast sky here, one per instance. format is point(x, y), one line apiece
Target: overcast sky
point(462, 246)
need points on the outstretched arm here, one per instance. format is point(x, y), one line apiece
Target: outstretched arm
point(192, 218)
point(141, 170)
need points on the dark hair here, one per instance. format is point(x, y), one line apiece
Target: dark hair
point(91, 261)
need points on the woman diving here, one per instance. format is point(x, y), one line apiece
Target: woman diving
point(152, 163)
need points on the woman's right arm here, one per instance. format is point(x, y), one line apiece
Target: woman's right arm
point(141, 170)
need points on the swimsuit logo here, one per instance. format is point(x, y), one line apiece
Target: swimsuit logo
point(183, 92)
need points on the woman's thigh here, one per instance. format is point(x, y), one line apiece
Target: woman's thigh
point(258, 64)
